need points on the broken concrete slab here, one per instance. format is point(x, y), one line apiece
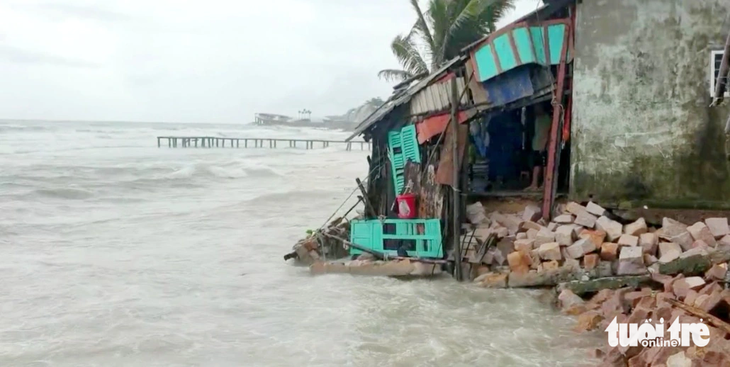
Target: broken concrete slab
point(628, 240)
point(649, 242)
point(526, 226)
point(544, 279)
point(669, 252)
point(550, 265)
point(475, 213)
point(563, 219)
point(552, 226)
point(700, 231)
point(590, 261)
point(609, 251)
point(544, 236)
point(532, 233)
point(637, 228)
point(493, 280)
point(565, 235)
point(595, 236)
point(671, 228)
point(613, 229)
point(595, 209)
point(575, 208)
point(587, 245)
point(575, 251)
point(524, 245)
point(718, 227)
point(586, 220)
point(519, 262)
point(717, 272)
point(631, 261)
point(683, 239)
point(532, 213)
point(568, 299)
point(550, 251)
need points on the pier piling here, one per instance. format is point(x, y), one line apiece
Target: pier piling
point(215, 142)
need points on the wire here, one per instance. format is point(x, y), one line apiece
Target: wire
point(377, 167)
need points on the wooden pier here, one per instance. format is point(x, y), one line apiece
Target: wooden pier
point(217, 142)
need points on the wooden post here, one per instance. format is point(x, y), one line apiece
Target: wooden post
point(238, 143)
point(369, 211)
point(245, 143)
point(456, 204)
point(158, 141)
point(196, 142)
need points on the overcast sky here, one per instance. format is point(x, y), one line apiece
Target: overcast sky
point(195, 60)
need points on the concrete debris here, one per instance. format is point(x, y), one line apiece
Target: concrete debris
point(532, 213)
point(586, 220)
point(631, 261)
point(563, 219)
point(544, 236)
point(613, 229)
point(628, 240)
point(575, 208)
point(609, 251)
point(669, 252)
point(649, 242)
point(700, 231)
point(637, 228)
point(565, 234)
point(550, 251)
point(475, 214)
point(595, 209)
point(718, 227)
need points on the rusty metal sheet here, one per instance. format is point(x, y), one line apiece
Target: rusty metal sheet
point(435, 125)
point(445, 172)
point(431, 196)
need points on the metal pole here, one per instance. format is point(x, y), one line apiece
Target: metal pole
point(456, 229)
point(554, 144)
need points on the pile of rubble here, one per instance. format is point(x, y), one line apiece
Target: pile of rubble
point(326, 251)
point(694, 299)
point(584, 243)
point(322, 244)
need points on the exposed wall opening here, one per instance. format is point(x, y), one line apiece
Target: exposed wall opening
point(715, 61)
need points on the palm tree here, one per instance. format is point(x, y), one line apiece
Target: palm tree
point(441, 33)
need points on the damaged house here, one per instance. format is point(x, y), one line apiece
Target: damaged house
point(594, 100)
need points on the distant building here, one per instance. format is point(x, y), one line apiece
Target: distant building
point(270, 119)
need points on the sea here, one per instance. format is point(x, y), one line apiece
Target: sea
point(114, 252)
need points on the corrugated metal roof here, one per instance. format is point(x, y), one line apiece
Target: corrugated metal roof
point(402, 98)
point(436, 97)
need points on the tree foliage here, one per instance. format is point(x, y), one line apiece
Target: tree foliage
point(441, 32)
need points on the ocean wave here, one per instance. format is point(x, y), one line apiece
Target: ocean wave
point(229, 171)
point(62, 193)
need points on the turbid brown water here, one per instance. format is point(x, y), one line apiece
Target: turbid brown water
point(117, 253)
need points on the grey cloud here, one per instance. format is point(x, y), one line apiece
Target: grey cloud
point(20, 56)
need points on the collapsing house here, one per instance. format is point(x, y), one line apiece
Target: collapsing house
point(625, 88)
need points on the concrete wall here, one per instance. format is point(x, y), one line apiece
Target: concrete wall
point(642, 129)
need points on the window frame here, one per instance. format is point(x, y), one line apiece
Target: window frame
point(713, 69)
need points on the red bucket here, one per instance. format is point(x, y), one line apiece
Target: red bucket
point(406, 206)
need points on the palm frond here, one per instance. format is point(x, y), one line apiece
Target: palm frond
point(466, 14)
point(394, 75)
point(408, 56)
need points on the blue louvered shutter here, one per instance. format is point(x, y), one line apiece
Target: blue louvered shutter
point(403, 146)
